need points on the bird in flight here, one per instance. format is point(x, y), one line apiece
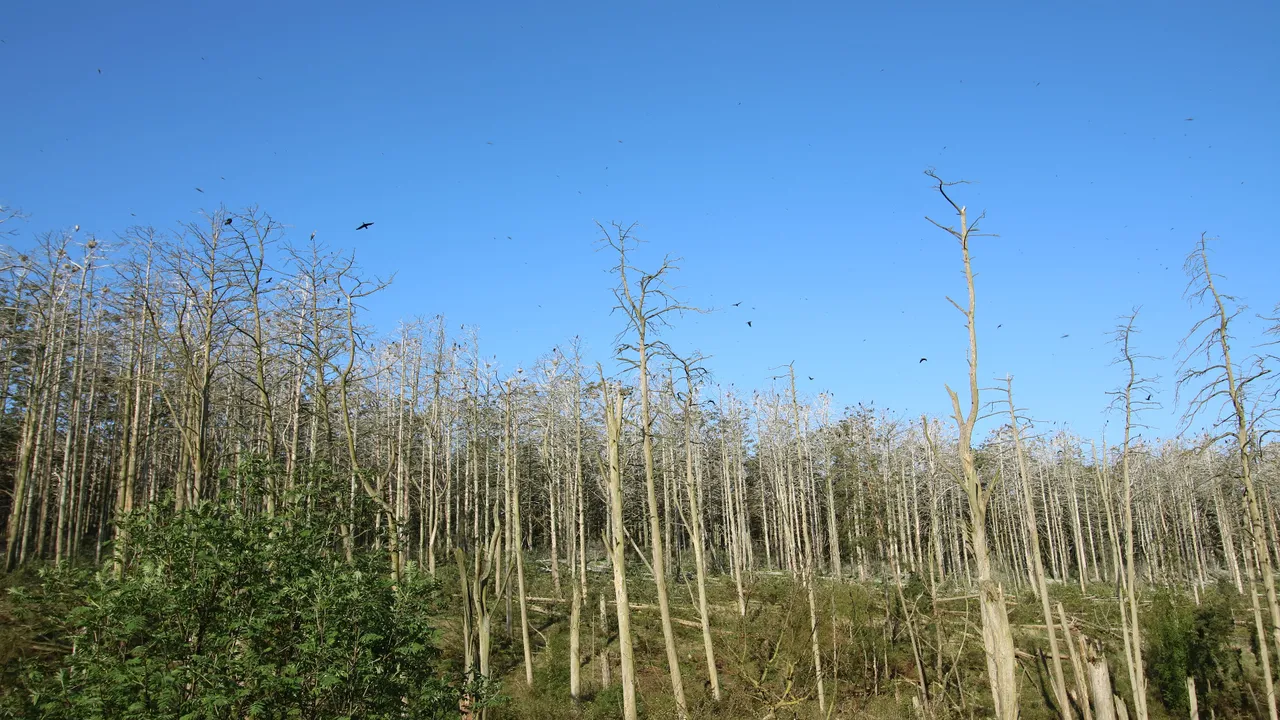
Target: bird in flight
point(748, 323)
point(365, 226)
point(99, 71)
point(1187, 120)
point(923, 360)
point(1148, 397)
point(1000, 326)
point(810, 377)
point(1065, 336)
point(199, 190)
point(737, 303)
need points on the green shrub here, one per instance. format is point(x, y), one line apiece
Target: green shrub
point(225, 614)
point(1185, 640)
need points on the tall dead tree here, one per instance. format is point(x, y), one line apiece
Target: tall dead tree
point(1037, 565)
point(647, 304)
point(997, 636)
point(612, 401)
point(1222, 385)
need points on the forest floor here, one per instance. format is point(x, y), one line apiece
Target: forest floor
point(764, 658)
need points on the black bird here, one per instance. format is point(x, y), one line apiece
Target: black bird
point(1148, 397)
point(737, 303)
point(923, 360)
point(228, 222)
point(270, 279)
point(313, 234)
point(1189, 119)
point(1065, 336)
point(1000, 326)
point(365, 226)
point(810, 377)
point(748, 323)
point(99, 71)
point(199, 190)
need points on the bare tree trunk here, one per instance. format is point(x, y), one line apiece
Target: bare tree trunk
point(696, 539)
point(1037, 565)
point(613, 423)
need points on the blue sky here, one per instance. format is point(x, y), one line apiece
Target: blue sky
point(777, 148)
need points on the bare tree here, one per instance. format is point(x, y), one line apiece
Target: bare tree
point(997, 636)
point(1222, 385)
point(647, 306)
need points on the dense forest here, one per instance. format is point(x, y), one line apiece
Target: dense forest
point(225, 494)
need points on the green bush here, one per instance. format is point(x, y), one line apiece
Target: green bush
point(224, 614)
point(1185, 640)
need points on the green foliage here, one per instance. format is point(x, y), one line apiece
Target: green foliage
point(1183, 639)
point(223, 613)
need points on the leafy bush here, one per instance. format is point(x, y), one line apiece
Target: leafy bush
point(226, 614)
point(1183, 639)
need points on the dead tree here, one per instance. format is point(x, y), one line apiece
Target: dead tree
point(997, 636)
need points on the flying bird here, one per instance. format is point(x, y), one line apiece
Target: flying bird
point(1000, 326)
point(1148, 397)
point(748, 323)
point(1065, 336)
point(1189, 119)
point(365, 226)
point(737, 303)
point(810, 377)
point(99, 71)
point(199, 190)
point(923, 360)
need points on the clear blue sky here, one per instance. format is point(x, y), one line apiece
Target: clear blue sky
point(777, 147)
